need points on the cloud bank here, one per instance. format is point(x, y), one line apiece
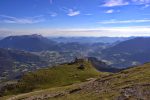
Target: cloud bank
point(103, 31)
point(124, 21)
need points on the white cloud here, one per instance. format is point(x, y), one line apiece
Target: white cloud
point(73, 12)
point(124, 21)
point(53, 14)
point(109, 11)
point(70, 12)
point(141, 1)
point(15, 20)
point(112, 3)
point(97, 32)
point(146, 6)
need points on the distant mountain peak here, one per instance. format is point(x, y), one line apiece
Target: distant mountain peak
point(34, 42)
point(25, 36)
point(35, 36)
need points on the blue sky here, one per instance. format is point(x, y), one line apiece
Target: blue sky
point(75, 17)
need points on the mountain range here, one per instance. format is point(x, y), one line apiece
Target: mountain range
point(128, 53)
point(89, 40)
point(32, 43)
point(123, 53)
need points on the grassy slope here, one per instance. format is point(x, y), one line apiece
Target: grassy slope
point(61, 75)
point(134, 80)
point(58, 76)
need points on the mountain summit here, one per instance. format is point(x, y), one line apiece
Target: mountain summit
point(28, 42)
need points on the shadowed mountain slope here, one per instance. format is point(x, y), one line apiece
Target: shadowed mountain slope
point(128, 53)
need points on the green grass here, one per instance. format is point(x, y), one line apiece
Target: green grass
point(113, 84)
point(58, 76)
point(109, 86)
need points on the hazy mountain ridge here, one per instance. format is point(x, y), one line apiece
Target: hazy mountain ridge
point(128, 53)
point(140, 44)
point(89, 40)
